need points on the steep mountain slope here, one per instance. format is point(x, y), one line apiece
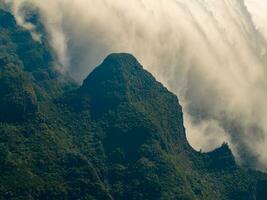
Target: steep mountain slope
point(118, 136)
point(146, 154)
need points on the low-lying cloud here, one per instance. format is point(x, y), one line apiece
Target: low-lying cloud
point(211, 53)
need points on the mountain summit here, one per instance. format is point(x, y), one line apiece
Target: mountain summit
point(120, 135)
point(121, 82)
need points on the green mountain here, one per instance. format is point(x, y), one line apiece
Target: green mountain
point(120, 135)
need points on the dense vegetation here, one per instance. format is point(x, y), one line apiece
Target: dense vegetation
point(118, 136)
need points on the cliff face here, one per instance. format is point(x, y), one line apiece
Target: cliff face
point(118, 136)
point(121, 85)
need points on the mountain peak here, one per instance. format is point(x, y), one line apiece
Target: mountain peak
point(110, 82)
point(116, 67)
point(120, 59)
point(222, 158)
point(120, 86)
point(121, 78)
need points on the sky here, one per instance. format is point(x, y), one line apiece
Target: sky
point(211, 53)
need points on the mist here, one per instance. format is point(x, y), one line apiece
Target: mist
point(211, 53)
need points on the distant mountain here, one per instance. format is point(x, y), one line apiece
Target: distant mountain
point(120, 135)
